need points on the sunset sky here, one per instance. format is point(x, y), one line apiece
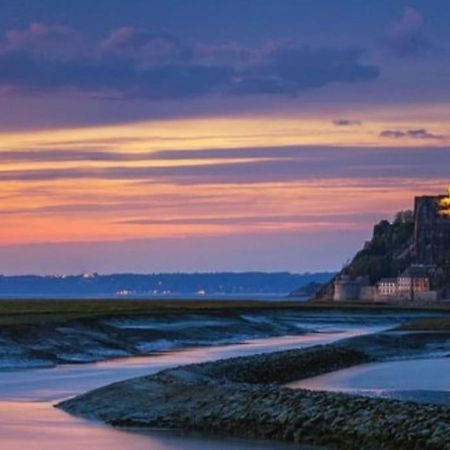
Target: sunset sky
point(210, 135)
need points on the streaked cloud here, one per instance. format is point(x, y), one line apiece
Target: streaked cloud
point(243, 220)
point(418, 133)
point(45, 41)
point(346, 122)
point(253, 165)
point(211, 192)
point(147, 140)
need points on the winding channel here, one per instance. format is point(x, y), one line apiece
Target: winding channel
point(29, 421)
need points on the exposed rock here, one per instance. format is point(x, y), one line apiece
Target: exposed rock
point(242, 397)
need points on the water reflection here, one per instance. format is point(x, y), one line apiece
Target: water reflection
point(427, 380)
point(28, 420)
point(38, 426)
point(69, 380)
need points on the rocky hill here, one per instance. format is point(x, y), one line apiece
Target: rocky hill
point(419, 237)
point(388, 253)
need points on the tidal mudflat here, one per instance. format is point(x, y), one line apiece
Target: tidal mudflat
point(29, 420)
point(246, 397)
point(27, 397)
point(49, 333)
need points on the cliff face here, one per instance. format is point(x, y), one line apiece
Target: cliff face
point(432, 238)
point(432, 232)
point(388, 253)
point(419, 238)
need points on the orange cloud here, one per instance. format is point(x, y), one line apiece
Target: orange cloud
point(195, 177)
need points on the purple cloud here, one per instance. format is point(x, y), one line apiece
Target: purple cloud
point(294, 164)
point(420, 133)
point(290, 70)
point(147, 48)
point(405, 37)
point(259, 219)
point(44, 41)
point(346, 122)
point(137, 63)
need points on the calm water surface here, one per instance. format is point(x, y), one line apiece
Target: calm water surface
point(426, 380)
point(29, 421)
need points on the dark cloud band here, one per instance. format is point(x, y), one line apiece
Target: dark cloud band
point(266, 165)
point(419, 133)
point(135, 63)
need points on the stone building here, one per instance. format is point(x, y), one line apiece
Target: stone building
point(413, 280)
point(348, 289)
point(413, 283)
point(387, 287)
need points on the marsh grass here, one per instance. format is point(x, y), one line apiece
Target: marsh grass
point(21, 312)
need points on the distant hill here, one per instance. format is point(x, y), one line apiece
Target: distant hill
point(164, 284)
point(306, 291)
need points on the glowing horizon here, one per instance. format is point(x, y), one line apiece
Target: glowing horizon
point(67, 211)
point(118, 132)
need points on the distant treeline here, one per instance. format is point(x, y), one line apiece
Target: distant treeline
point(85, 285)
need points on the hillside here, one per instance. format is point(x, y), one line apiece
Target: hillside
point(414, 238)
point(388, 253)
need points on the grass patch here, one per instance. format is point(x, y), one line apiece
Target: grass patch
point(18, 312)
point(15, 312)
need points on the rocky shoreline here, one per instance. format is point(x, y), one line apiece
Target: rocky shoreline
point(245, 397)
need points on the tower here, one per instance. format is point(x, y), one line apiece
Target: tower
point(432, 229)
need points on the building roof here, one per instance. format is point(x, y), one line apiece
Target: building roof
point(388, 280)
point(415, 272)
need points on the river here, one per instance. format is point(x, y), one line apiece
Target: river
point(29, 421)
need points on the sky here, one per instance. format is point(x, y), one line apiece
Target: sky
point(227, 135)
